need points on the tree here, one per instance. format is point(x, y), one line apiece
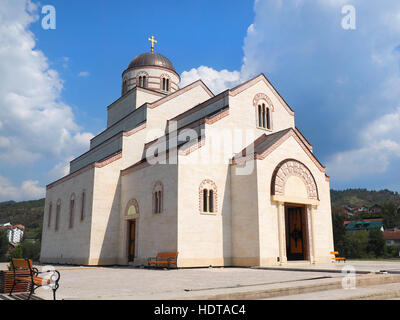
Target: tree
point(31, 250)
point(390, 217)
point(339, 229)
point(376, 243)
point(3, 244)
point(17, 253)
point(355, 244)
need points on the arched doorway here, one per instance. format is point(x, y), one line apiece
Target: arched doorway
point(294, 190)
point(132, 215)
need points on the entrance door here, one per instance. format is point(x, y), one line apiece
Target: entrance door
point(131, 243)
point(295, 235)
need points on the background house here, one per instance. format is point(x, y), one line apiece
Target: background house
point(366, 225)
point(15, 233)
point(392, 237)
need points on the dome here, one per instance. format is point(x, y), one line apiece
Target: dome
point(151, 59)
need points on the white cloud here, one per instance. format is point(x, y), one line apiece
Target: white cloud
point(28, 189)
point(61, 169)
point(35, 123)
point(83, 74)
point(217, 81)
point(34, 119)
point(379, 149)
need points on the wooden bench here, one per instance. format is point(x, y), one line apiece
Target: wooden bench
point(24, 272)
point(337, 258)
point(164, 259)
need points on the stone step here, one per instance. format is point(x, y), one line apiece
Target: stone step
point(373, 292)
point(289, 289)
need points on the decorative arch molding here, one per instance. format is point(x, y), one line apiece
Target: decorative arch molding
point(208, 184)
point(135, 204)
point(289, 168)
point(262, 97)
point(158, 186)
point(165, 75)
point(141, 74)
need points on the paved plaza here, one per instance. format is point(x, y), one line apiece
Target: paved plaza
point(204, 283)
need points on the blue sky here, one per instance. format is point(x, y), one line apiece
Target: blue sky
point(343, 84)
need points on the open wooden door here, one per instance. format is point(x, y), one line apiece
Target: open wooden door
point(131, 243)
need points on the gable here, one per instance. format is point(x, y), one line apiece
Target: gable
point(266, 144)
point(261, 78)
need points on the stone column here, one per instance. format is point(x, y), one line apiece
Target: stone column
point(281, 232)
point(311, 237)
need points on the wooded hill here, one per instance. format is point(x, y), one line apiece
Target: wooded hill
point(27, 213)
point(363, 197)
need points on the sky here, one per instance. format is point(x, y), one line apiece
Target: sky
point(337, 69)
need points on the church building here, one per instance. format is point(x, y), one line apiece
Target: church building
point(224, 180)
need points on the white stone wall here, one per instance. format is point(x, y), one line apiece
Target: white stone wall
point(104, 238)
point(204, 239)
point(68, 245)
point(154, 232)
point(245, 219)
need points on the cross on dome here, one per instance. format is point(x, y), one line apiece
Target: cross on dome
point(152, 40)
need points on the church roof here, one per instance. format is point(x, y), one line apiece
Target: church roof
point(151, 59)
point(266, 144)
point(263, 143)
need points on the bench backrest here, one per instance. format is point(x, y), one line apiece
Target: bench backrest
point(167, 254)
point(334, 252)
point(24, 264)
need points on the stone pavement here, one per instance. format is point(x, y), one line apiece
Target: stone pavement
point(202, 283)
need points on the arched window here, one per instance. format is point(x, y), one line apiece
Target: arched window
point(71, 211)
point(83, 205)
point(211, 200)
point(205, 200)
point(208, 197)
point(141, 81)
point(158, 197)
point(165, 82)
point(58, 210)
point(49, 215)
point(264, 116)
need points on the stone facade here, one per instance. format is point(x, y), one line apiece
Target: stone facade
point(220, 192)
